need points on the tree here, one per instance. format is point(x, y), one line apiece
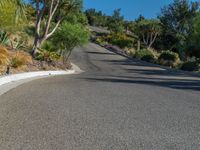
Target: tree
point(69, 36)
point(194, 41)
point(148, 31)
point(116, 21)
point(177, 22)
point(49, 15)
point(96, 18)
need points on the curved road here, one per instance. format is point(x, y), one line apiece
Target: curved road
point(116, 104)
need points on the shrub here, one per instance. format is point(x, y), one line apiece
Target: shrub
point(191, 65)
point(169, 58)
point(146, 55)
point(4, 38)
point(130, 51)
point(101, 41)
point(47, 56)
point(49, 46)
point(20, 59)
point(120, 40)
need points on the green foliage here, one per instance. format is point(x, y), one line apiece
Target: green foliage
point(96, 18)
point(177, 22)
point(69, 36)
point(121, 40)
point(146, 55)
point(12, 15)
point(130, 51)
point(4, 38)
point(49, 46)
point(169, 58)
point(48, 56)
point(191, 65)
point(48, 52)
point(193, 48)
point(77, 18)
point(101, 40)
point(148, 31)
point(116, 22)
point(17, 44)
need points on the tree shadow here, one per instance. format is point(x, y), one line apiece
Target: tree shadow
point(101, 53)
point(169, 83)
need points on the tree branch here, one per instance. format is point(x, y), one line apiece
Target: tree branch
point(51, 14)
point(51, 33)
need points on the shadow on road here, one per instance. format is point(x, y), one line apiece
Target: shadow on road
point(133, 71)
point(170, 83)
point(152, 75)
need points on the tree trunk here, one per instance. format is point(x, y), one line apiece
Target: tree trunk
point(138, 45)
point(36, 45)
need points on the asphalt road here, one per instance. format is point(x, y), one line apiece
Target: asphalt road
point(116, 104)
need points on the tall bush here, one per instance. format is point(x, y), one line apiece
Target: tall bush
point(69, 36)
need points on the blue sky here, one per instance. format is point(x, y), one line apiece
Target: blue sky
point(131, 9)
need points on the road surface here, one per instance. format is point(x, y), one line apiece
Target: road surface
point(116, 104)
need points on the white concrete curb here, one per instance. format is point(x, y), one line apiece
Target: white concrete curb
point(22, 76)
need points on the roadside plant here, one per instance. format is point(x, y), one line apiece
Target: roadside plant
point(20, 59)
point(4, 38)
point(68, 37)
point(191, 65)
point(169, 58)
point(48, 56)
point(146, 55)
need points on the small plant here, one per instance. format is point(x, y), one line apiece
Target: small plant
point(47, 56)
point(48, 46)
point(146, 55)
point(169, 58)
point(17, 44)
point(130, 51)
point(190, 65)
point(120, 40)
point(101, 41)
point(4, 38)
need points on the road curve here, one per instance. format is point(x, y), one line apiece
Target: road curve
point(116, 104)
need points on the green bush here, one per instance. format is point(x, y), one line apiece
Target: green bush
point(120, 40)
point(101, 40)
point(49, 46)
point(47, 56)
point(4, 38)
point(191, 65)
point(169, 58)
point(145, 55)
point(130, 51)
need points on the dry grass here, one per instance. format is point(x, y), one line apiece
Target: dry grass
point(20, 60)
point(17, 60)
point(4, 59)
